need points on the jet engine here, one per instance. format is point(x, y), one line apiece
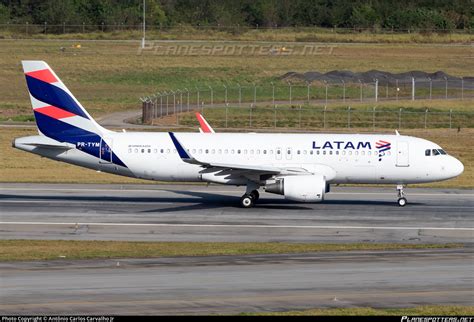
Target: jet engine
point(305, 188)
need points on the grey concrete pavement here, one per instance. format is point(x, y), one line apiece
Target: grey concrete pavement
point(200, 213)
point(233, 284)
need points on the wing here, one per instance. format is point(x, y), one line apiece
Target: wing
point(235, 168)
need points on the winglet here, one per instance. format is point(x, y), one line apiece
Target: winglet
point(204, 126)
point(181, 151)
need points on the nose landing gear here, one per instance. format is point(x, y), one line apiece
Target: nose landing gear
point(402, 201)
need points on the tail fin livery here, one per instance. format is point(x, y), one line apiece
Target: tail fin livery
point(58, 114)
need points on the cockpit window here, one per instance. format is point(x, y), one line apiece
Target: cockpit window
point(436, 152)
point(442, 152)
point(427, 152)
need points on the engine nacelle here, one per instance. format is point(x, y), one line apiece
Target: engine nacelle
point(306, 188)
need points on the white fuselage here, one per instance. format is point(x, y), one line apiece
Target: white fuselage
point(342, 158)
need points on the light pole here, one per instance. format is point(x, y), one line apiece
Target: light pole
point(326, 84)
point(240, 95)
point(225, 95)
point(212, 96)
point(431, 87)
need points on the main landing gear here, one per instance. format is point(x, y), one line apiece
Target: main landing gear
point(402, 201)
point(251, 196)
point(248, 200)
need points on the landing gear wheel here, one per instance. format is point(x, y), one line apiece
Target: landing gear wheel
point(246, 201)
point(402, 202)
point(255, 195)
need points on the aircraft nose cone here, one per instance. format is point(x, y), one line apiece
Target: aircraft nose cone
point(456, 167)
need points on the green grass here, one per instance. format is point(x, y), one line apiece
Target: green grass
point(426, 310)
point(23, 250)
point(111, 76)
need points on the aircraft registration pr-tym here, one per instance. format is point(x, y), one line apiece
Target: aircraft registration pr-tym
point(301, 167)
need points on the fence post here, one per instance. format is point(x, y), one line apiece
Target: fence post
point(376, 90)
point(254, 94)
point(240, 95)
point(324, 117)
point(161, 104)
point(212, 96)
point(398, 89)
point(308, 86)
point(450, 118)
point(413, 88)
point(274, 116)
point(426, 117)
point(400, 119)
point(187, 101)
point(273, 94)
point(431, 88)
point(197, 100)
point(326, 84)
point(250, 115)
point(299, 116)
point(343, 91)
point(167, 103)
point(348, 117)
point(289, 84)
point(446, 79)
point(225, 95)
point(373, 118)
point(226, 114)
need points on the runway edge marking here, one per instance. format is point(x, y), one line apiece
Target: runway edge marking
point(231, 226)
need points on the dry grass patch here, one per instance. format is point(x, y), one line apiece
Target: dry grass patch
point(426, 310)
point(23, 250)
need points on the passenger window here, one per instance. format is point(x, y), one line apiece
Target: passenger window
point(161, 151)
point(143, 150)
point(232, 151)
point(220, 151)
point(136, 150)
point(264, 151)
point(213, 151)
point(311, 152)
point(270, 151)
point(149, 150)
point(330, 152)
point(337, 152)
point(317, 152)
point(369, 153)
point(251, 151)
point(238, 151)
point(298, 152)
point(324, 152)
point(258, 151)
point(207, 151)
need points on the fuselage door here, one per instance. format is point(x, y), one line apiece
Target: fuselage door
point(402, 154)
point(105, 151)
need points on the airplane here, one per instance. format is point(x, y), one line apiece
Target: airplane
point(301, 167)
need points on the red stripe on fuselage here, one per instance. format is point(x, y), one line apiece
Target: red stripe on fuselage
point(44, 74)
point(54, 112)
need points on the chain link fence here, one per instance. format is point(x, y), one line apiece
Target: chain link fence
point(309, 105)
